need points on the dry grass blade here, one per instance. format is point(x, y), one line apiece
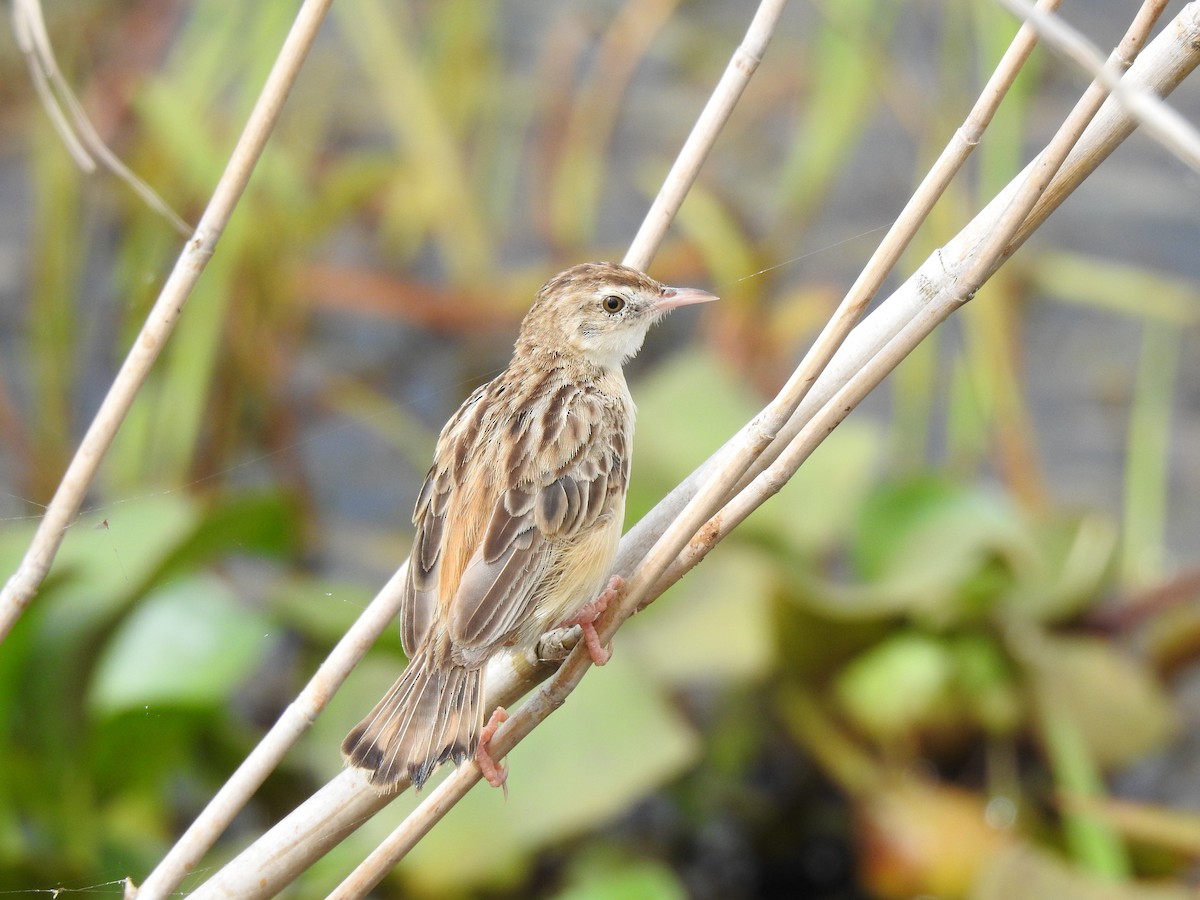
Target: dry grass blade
point(84, 144)
point(21, 587)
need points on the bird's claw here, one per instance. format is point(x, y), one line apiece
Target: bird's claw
point(493, 773)
point(587, 615)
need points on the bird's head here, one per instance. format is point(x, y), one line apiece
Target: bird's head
point(599, 313)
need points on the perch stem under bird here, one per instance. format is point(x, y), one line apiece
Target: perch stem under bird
point(518, 520)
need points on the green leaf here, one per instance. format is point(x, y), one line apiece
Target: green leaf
point(897, 686)
point(942, 550)
point(688, 634)
point(190, 643)
point(1073, 559)
point(1117, 706)
point(687, 407)
point(929, 528)
point(986, 683)
point(108, 556)
point(602, 876)
point(254, 524)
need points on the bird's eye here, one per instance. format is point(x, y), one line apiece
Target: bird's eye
point(613, 304)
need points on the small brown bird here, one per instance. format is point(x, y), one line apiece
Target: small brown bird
point(519, 517)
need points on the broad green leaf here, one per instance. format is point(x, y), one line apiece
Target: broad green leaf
point(943, 551)
point(108, 556)
point(930, 528)
point(190, 643)
point(604, 876)
point(1120, 710)
point(251, 524)
point(898, 686)
point(687, 408)
point(1074, 558)
point(986, 683)
point(714, 624)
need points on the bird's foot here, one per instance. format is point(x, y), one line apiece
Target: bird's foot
point(493, 773)
point(587, 615)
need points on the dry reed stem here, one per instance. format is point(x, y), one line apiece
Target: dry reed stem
point(68, 498)
point(232, 797)
point(758, 437)
point(1156, 118)
point(940, 285)
point(1173, 59)
point(703, 136)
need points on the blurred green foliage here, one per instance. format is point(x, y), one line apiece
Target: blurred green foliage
point(899, 677)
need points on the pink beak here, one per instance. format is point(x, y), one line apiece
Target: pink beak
point(673, 297)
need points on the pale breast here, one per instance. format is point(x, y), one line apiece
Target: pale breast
point(579, 572)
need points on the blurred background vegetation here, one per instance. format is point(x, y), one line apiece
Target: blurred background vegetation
point(956, 657)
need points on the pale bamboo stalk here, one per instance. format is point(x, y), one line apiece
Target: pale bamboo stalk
point(1170, 62)
point(1156, 118)
point(347, 801)
point(762, 432)
point(395, 846)
point(995, 247)
point(704, 135)
point(81, 471)
point(936, 288)
point(914, 214)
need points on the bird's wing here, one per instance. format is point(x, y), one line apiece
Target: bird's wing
point(561, 470)
point(418, 606)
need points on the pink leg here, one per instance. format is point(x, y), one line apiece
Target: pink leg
point(493, 773)
point(589, 613)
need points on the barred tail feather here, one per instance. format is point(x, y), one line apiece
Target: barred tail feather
point(430, 716)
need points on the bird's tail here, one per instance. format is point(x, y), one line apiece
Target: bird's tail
point(430, 716)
